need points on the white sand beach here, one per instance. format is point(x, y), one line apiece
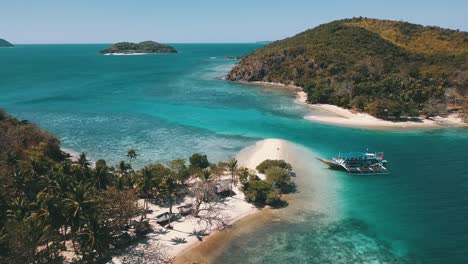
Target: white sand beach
point(289, 86)
point(181, 238)
point(124, 54)
point(345, 117)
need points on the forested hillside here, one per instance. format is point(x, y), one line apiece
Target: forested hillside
point(390, 69)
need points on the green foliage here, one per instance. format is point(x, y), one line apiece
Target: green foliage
point(266, 164)
point(257, 192)
point(279, 177)
point(132, 155)
point(358, 63)
point(269, 191)
point(198, 161)
point(46, 199)
point(262, 192)
point(273, 196)
point(179, 170)
point(243, 175)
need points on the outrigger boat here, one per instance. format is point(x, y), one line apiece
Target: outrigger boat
point(359, 163)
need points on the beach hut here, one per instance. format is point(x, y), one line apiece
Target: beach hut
point(185, 209)
point(163, 218)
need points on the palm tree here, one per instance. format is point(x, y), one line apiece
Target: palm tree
point(145, 185)
point(83, 164)
point(132, 155)
point(122, 173)
point(80, 201)
point(101, 174)
point(206, 174)
point(169, 187)
point(83, 161)
point(232, 165)
point(51, 214)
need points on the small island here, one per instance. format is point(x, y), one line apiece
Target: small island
point(5, 44)
point(145, 47)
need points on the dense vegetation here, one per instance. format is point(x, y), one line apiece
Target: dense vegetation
point(387, 68)
point(50, 205)
point(268, 192)
point(142, 47)
point(267, 164)
point(4, 43)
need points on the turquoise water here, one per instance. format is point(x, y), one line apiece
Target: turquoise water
point(169, 106)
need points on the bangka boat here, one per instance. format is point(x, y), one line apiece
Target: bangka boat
point(359, 163)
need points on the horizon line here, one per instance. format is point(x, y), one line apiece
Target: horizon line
point(110, 43)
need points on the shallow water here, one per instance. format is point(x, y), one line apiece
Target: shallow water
point(169, 106)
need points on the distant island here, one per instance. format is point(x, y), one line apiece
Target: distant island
point(5, 44)
point(145, 47)
point(389, 69)
point(264, 42)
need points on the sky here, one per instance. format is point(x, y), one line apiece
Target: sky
point(203, 21)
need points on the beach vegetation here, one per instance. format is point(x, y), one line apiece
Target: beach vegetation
point(280, 178)
point(198, 162)
point(266, 164)
point(232, 167)
point(257, 191)
point(51, 203)
point(132, 155)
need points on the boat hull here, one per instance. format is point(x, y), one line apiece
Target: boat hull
point(333, 165)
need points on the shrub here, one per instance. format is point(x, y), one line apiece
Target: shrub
point(199, 160)
point(273, 196)
point(266, 164)
point(257, 191)
point(279, 177)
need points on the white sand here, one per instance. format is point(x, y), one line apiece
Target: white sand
point(253, 155)
point(234, 207)
point(124, 54)
point(291, 86)
point(344, 117)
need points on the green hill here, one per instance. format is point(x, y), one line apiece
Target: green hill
point(4, 43)
point(142, 47)
point(387, 68)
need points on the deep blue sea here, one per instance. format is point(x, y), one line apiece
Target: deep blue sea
point(169, 106)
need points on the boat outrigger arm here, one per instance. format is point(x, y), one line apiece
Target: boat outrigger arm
point(358, 163)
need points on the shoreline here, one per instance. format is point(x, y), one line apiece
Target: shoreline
point(347, 118)
point(124, 54)
point(339, 116)
point(235, 208)
point(310, 182)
